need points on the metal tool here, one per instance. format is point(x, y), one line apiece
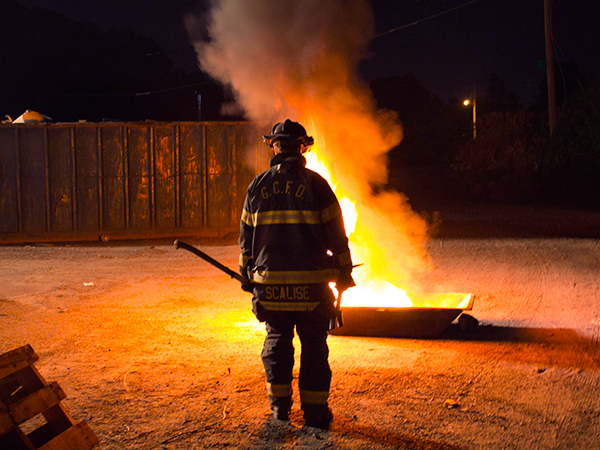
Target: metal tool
point(233, 274)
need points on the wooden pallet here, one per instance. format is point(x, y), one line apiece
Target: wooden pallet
point(31, 415)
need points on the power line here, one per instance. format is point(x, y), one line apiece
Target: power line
point(426, 18)
point(133, 94)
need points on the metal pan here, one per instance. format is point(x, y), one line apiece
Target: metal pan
point(429, 317)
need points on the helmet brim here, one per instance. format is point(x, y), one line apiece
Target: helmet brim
point(304, 140)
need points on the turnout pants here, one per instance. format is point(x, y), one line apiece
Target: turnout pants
point(278, 357)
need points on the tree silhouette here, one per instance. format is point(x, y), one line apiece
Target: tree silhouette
point(72, 70)
point(427, 129)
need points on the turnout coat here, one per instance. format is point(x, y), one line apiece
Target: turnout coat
point(292, 235)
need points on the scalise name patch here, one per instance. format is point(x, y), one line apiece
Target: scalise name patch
point(287, 292)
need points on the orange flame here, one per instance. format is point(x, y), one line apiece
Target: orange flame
point(369, 290)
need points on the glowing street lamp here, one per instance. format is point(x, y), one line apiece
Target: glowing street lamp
point(467, 102)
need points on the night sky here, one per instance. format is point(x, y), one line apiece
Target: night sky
point(454, 51)
point(450, 45)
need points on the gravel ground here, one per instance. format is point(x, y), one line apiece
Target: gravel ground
point(157, 349)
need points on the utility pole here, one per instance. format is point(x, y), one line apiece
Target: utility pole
point(550, 64)
point(473, 101)
point(199, 102)
point(474, 111)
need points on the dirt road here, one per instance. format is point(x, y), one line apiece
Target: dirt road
point(156, 349)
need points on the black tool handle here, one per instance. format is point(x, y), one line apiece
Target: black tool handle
point(190, 248)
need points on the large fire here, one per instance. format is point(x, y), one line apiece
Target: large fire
point(369, 290)
point(374, 289)
point(297, 60)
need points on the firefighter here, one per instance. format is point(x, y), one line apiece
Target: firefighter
point(293, 243)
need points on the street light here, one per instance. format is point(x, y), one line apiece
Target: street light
point(467, 102)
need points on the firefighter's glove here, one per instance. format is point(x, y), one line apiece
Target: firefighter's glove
point(248, 288)
point(345, 280)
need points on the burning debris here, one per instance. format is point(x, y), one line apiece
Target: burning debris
point(298, 60)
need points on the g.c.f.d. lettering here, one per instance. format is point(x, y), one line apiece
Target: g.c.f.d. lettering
point(283, 189)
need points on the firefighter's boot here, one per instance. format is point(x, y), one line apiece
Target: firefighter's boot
point(318, 416)
point(280, 407)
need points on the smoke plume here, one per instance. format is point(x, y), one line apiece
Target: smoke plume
point(297, 60)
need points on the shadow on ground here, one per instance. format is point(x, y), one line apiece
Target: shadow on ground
point(276, 434)
point(560, 347)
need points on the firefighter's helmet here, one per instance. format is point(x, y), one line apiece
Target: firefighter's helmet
point(291, 133)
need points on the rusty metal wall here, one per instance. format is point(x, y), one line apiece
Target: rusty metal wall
point(82, 181)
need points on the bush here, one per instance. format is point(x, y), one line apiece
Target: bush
point(570, 160)
point(501, 162)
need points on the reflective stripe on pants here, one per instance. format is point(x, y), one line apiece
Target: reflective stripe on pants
point(314, 397)
point(279, 390)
